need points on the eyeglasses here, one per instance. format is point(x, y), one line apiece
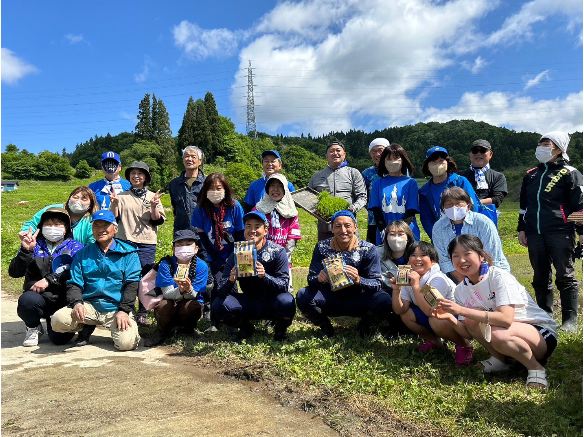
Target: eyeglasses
point(476, 150)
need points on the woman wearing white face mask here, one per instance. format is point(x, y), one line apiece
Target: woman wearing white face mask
point(551, 192)
point(440, 167)
point(80, 205)
point(183, 300)
point(394, 195)
point(459, 219)
point(44, 276)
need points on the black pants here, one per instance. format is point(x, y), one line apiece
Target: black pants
point(32, 307)
point(554, 249)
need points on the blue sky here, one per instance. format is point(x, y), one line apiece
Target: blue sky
point(72, 70)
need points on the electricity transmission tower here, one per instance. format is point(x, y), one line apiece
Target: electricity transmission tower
point(251, 122)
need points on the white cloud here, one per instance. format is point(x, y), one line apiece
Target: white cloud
point(477, 65)
point(544, 75)
point(520, 25)
point(142, 76)
point(127, 116)
point(515, 112)
point(199, 43)
point(74, 39)
point(371, 60)
point(14, 68)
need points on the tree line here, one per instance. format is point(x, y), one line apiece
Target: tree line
point(238, 155)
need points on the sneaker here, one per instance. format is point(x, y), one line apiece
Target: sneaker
point(326, 329)
point(31, 338)
point(494, 365)
point(428, 345)
point(84, 335)
point(462, 355)
point(280, 332)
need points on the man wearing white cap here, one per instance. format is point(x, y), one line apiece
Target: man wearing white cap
point(551, 192)
point(369, 175)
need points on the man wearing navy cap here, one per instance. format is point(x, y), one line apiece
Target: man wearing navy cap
point(112, 166)
point(271, 163)
point(261, 297)
point(103, 286)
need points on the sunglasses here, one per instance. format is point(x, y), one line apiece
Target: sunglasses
point(476, 150)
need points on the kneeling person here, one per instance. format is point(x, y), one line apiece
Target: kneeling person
point(261, 297)
point(183, 299)
point(103, 285)
point(364, 298)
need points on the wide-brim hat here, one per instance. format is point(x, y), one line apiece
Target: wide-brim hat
point(60, 213)
point(139, 165)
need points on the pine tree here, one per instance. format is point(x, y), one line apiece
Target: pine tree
point(160, 121)
point(202, 137)
point(214, 126)
point(187, 128)
point(143, 128)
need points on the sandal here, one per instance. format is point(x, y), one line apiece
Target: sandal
point(536, 379)
point(494, 365)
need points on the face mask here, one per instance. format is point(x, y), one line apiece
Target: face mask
point(110, 165)
point(184, 253)
point(53, 233)
point(456, 213)
point(77, 207)
point(397, 244)
point(215, 196)
point(438, 169)
point(543, 154)
point(393, 166)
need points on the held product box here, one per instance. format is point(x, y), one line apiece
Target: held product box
point(335, 269)
point(403, 275)
point(431, 295)
point(182, 272)
point(245, 258)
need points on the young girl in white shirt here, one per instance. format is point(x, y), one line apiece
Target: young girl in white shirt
point(416, 313)
point(497, 311)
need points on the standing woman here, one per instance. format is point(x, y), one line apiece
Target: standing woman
point(218, 219)
point(81, 204)
point(139, 212)
point(550, 192)
point(394, 196)
point(442, 170)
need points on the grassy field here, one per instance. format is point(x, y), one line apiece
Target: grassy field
point(381, 377)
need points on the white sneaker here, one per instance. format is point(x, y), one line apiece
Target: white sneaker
point(32, 335)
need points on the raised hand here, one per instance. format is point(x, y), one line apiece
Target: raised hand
point(113, 196)
point(28, 239)
point(155, 201)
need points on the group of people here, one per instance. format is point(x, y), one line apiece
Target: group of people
point(86, 261)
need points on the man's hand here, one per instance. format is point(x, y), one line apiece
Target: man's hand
point(28, 239)
point(40, 286)
point(78, 312)
point(260, 269)
point(122, 320)
point(113, 196)
point(522, 238)
point(233, 274)
point(353, 274)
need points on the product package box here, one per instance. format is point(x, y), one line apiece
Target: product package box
point(182, 272)
point(431, 295)
point(403, 275)
point(335, 268)
point(245, 258)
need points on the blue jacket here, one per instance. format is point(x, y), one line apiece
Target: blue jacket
point(430, 193)
point(102, 191)
point(109, 281)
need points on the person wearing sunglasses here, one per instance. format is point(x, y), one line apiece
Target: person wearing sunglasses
point(490, 185)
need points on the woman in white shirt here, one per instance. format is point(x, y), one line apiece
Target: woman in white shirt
point(497, 311)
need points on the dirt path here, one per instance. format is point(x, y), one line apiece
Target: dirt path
point(95, 390)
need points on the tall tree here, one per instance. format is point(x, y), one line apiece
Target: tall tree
point(143, 128)
point(187, 129)
point(214, 126)
point(202, 134)
point(160, 120)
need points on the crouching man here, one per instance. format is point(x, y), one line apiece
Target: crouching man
point(103, 286)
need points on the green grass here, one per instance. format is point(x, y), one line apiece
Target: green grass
point(382, 373)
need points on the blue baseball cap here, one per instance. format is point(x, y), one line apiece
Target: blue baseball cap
point(271, 152)
point(111, 155)
point(104, 215)
point(343, 213)
point(255, 214)
point(436, 149)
